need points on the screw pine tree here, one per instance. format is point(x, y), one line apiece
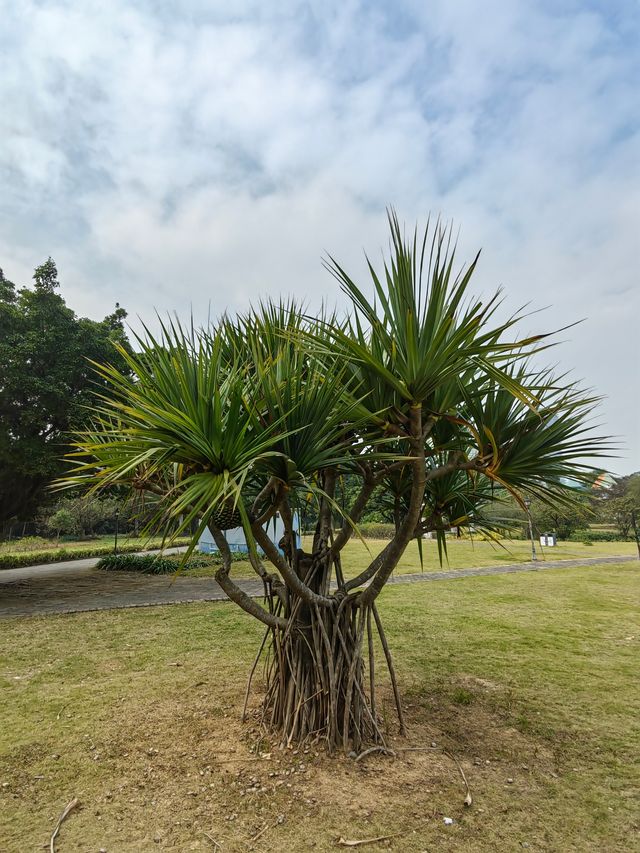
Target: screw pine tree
point(421, 392)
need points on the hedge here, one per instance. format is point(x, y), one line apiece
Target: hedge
point(598, 536)
point(376, 530)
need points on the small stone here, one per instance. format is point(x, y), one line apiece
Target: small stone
point(433, 744)
point(509, 781)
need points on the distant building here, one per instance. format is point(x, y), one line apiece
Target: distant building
point(237, 541)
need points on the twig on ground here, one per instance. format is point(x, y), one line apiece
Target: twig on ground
point(468, 800)
point(417, 748)
point(71, 805)
point(192, 687)
point(383, 749)
point(216, 845)
point(345, 842)
point(258, 834)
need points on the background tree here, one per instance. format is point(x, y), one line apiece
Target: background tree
point(619, 504)
point(46, 381)
point(559, 518)
point(421, 393)
point(84, 516)
point(562, 520)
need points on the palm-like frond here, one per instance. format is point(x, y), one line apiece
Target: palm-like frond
point(543, 453)
point(211, 418)
point(422, 330)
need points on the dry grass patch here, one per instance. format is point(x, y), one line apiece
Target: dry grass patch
point(526, 679)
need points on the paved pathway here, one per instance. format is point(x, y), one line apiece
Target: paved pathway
point(58, 588)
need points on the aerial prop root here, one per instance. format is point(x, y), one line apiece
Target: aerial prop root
point(320, 675)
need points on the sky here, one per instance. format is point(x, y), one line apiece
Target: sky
point(198, 156)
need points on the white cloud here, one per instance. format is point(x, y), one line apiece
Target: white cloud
point(176, 158)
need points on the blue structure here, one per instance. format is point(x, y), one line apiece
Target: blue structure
point(237, 541)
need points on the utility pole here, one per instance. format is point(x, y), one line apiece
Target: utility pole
point(534, 556)
point(115, 543)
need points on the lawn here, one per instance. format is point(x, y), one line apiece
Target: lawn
point(529, 680)
point(462, 554)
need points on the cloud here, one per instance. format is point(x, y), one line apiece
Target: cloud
point(195, 157)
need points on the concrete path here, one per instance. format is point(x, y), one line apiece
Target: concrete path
point(56, 588)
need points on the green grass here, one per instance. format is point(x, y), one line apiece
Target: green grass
point(462, 554)
point(529, 679)
point(29, 544)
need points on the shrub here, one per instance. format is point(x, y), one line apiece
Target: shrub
point(590, 536)
point(376, 530)
point(150, 564)
point(157, 564)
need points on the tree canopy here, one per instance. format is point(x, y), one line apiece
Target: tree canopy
point(619, 503)
point(46, 383)
point(420, 393)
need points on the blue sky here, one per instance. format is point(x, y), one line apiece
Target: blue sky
point(171, 156)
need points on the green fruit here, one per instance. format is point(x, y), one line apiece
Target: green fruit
point(226, 517)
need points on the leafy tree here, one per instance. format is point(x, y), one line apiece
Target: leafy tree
point(562, 520)
point(82, 515)
point(46, 381)
point(421, 393)
point(620, 503)
point(61, 522)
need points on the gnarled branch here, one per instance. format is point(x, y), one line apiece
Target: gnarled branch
point(248, 604)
